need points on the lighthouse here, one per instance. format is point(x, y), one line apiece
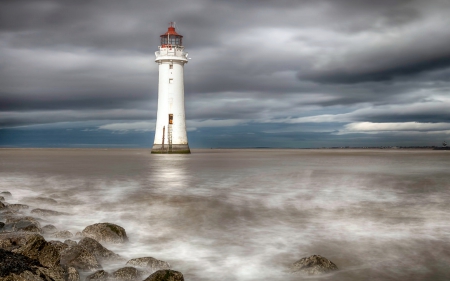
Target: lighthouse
point(170, 132)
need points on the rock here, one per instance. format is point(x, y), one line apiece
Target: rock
point(23, 224)
point(2, 206)
point(6, 194)
point(28, 218)
point(313, 265)
point(106, 232)
point(17, 207)
point(65, 234)
point(70, 242)
point(150, 264)
point(126, 274)
point(80, 258)
point(60, 246)
point(100, 252)
point(72, 274)
point(99, 275)
point(165, 275)
point(2, 224)
point(18, 267)
point(37, 248)
point(13, 240)
point(44, 212)
point(49, 229)
point(2, 199)
point(40, 200)
point(78, 234)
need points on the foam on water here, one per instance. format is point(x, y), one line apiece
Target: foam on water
point(247, 215)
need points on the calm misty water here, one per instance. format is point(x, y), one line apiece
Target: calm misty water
point(248, 214)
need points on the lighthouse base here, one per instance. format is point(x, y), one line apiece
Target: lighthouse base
point(173, 149)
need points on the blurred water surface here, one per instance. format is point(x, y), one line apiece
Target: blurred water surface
point(248, 214)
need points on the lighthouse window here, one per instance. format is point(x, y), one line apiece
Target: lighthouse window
point(171, 66)
point(170, 118)
point(170, 81)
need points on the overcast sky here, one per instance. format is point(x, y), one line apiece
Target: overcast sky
point(285, 73)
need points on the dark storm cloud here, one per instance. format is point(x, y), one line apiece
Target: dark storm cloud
point(253, 62)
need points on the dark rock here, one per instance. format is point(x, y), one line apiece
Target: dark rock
point(106, 232)
point(70, 242)
point(165, 275)
point(313, 265)
point(149, 264)
point(37, 248)
point(2, 206)
point(65, 234)
point(80, 258)
point(49, 229)
point(99, 275)
point(16, 264)
point(23, 224)
point(100, 252)
point(17, 207)
point(2, 199)
point(17, 267)
point(2, 224)
point(6, 194)
point(44, 212)
point(60, 246)
point(127, 274)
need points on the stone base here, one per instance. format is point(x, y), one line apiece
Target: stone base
point(175, 149)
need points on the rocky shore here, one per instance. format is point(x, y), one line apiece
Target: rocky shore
point(25, 255)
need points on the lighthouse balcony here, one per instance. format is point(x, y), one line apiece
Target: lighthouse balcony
point(173, 54)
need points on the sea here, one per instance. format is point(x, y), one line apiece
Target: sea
point(248, 214)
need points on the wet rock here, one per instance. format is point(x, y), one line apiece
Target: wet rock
point(65, 234)
point(40, 200)
point(127, 274)
point(99, 275)
point(6, 194)
point(80, 258)
point(2, 224)
point(70, 242)
point(106, 232)
point(72, 274)
point(149, 264)
point(17, 207)
point(27, 218)
point(313, 265)
point(100, 252)
point(18, 267)
point(45, 213)
point(2, 199)
point(37, 248)
point(13, 240)
point(2, 206)
point(165, 275)
point(23, 224)
point(49, 229)
point(60, 246)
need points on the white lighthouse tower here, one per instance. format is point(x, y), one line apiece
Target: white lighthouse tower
point(170, 132)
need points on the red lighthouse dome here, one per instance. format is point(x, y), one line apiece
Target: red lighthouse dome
point(171, 38)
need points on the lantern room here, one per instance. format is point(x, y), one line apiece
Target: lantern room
point(171, 38)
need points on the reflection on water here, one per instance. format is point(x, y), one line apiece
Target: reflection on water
point(248, 214)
